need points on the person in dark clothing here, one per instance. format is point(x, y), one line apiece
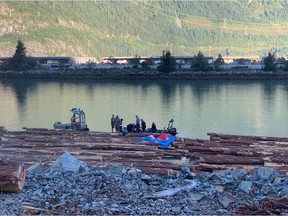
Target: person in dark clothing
point(153, 127)
point(117, 123)
point(143, 125)
point(73, 122)
point(120, 126)
point(112, 122)
point(130, 128)
point(137, 124)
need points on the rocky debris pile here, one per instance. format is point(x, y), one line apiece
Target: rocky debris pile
point(68, 186)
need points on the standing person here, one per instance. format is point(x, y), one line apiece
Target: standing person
point(73, 122)
point(137, 123)
point(112, 122)
point(143, 125)
point(120, 126)
point(117, 123)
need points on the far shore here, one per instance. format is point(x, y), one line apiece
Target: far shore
point(138, 74)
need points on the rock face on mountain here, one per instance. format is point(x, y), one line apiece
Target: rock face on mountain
point(69, 186)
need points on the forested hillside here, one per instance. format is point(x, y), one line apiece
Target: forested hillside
point(144, 28)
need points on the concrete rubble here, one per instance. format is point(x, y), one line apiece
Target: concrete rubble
point(69, 186)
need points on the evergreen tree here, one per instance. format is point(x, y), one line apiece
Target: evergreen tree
point(20, 61)
point(270, 62)
point(168, 62)
point(200, 63)
point(218, 62)
point(19, 58)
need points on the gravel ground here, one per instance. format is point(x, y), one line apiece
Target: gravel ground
point(118, 190)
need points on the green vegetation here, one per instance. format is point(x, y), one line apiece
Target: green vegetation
point(219, 61)
point(20, 61)
point(200, 63)
point(168, 63)
point(129, 28)
point(270, 62)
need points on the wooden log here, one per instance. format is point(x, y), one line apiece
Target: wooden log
point(237, 142)
point(40, 139)
point(242, 152)
point(213, 167)
point(12, 176)
point(230, 159)
point(32, 210)
point(282, 159)
point(217, 136)
point(206, 149)
point(159, 171)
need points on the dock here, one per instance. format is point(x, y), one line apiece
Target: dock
point(103, 149)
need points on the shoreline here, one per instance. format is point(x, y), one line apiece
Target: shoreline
point(142, 75)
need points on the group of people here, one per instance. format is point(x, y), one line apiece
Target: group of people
point(116, 122)
point(143, 125)
point(140, 125)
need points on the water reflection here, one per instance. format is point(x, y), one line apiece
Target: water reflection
point(168, 90)
point(20, 89)
point(198, 107)
point(269, 91)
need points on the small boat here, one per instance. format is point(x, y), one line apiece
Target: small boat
point(131, 128)
point(170, 129)
point(78, 124)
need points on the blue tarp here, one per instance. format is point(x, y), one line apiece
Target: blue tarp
point(164, 143)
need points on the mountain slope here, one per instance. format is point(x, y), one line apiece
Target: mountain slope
point(145, 28)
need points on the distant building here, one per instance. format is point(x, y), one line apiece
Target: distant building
point(153, 59)
point(54, 62)
point(50, 62)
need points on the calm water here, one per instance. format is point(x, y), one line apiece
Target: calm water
point(198, 107)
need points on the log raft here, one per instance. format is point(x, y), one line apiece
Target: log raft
point(102, 149)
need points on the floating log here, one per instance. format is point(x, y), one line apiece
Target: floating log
point(12, 176)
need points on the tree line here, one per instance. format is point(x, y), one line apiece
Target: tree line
point(20, 61)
